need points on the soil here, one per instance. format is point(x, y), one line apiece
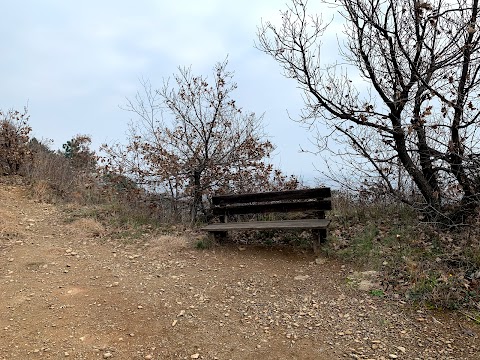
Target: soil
point(68, 291)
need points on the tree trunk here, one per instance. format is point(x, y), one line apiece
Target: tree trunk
point(197, 195)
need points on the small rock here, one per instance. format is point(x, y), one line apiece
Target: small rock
point(107, 355)
point(366, 285)
point(402, 349)
point(301, 277)
point(148, 357)
point(393, 356)
point(195, 356)
point(174, 322)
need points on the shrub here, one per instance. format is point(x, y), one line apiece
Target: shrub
point(14, 138)
point(54, 178)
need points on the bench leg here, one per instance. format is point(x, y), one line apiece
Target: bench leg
point(319, 238)
point(220, 236)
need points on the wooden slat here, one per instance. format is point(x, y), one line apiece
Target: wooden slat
point(264, 225)
point(303, 194)
point(321, 205)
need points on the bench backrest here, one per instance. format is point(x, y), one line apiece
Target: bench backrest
point(318, 200)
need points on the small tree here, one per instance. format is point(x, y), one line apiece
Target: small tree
point(77, 150)
point(14, 138)
point(413, 107)
point(191, 138)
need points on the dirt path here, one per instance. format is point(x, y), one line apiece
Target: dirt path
point(68, 294)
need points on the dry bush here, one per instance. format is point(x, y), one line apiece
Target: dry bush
point(14, 137)
point(53, 178)
point(114, 200)
point(132, 203)
point(89, 227)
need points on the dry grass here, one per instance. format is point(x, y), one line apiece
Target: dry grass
point(91, 227)
point(417, 261)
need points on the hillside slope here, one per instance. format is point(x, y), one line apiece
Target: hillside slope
point(68, 292)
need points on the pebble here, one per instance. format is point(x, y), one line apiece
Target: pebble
point(301, 277)
point(195, 356)
point(107, 355)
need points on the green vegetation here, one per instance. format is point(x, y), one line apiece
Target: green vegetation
point(377, 293)
point(204, 243)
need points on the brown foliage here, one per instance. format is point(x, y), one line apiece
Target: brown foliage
point(208, 144)
point(14, 137)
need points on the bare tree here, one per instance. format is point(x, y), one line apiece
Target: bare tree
point(415, 105)
point(192, 139)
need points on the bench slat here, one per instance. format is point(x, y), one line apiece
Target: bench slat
point(263, 225)
point(272, 196)
point(320, 205)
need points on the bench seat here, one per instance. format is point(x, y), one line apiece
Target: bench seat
point(266, 225)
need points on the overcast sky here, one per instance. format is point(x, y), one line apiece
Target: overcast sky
point(74, 63)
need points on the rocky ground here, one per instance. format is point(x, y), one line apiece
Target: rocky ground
point(67, 291)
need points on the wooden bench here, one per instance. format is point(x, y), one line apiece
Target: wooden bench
point(312, 203)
